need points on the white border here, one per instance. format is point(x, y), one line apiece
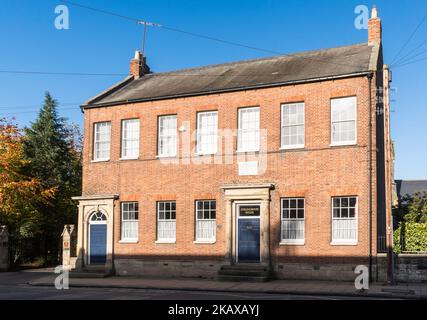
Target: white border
point(122, 139)
point(349, 242)
point(239, 118)
point(198, 152)
point(295, 146)
point(343, 143)
point(291, 242)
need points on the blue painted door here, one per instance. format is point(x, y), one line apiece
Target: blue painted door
point(249, 240)
point(98, 244)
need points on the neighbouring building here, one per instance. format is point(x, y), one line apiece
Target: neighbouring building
point(282, 163)
point(410, 188)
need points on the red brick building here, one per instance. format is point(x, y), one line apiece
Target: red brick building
point(277, 165)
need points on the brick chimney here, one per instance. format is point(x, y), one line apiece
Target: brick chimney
point(138, 65)
point(374, 28)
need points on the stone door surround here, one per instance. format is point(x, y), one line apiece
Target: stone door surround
point(247, 194)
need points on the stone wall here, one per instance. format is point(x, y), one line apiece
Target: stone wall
point(308, 271)
point(167, 268)
point(209, 270)
point(4, 249)
point(411, 268)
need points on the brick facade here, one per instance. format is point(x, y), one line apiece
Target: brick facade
point(317, 172)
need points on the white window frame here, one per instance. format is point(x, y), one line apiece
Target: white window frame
point(97, 143)
point(161, 135)
point(204, 148)
point(163, 221)
point(132, 222)
point(284, 241)
point(210, 222)
point(297, 124)
point(135, 139)
point(254, 148)
point(348, 142)
point(345, 242)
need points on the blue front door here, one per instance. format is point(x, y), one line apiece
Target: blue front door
point(98, 243)
point(249, 240)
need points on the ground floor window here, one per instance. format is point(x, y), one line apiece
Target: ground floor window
point(293, 217)
point(344, 219)
point(206, 220)
point(166, 221)
point(129, 221)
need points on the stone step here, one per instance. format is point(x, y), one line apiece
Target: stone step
point(239, 272)
point(245, 267)
point(244, 273)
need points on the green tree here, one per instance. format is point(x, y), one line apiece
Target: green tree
point(416, 208)
point(20, 194)
point(52, 149)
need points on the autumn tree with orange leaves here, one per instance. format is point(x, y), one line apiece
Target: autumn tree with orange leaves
point(20, 195)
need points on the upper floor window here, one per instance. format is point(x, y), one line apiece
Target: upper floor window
point(129, 221)
point(293, 125)
point(168, 137)
point(344, 220)
point(293, 220)
point(207, 132)
point(343, 121)
point(130, 139)
point(102, 137)
point(206, 221)
point(248, 134)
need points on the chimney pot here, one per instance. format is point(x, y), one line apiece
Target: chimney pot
point(374, 14)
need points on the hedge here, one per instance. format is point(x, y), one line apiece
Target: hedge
point(410, 237)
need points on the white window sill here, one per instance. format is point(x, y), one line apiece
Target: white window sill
point(100, 160)
point(247, 151)
point(126, 159)
point(344, 243)
point(201, 154)
point(128, 241)
point(343, 144)
point(165, 242)
point(292, 243)
point(166, 156)
point(295, 147)
point(204, 242)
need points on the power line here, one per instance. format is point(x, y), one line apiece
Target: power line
point(28, 112)
point(62, 73)
point(152, 24)
point(206, 37)
point(26, 107)
point(412, 51)
point(411, 58)
point(409, 63)
point(409, 39)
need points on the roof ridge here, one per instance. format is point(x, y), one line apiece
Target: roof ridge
point(290, 55)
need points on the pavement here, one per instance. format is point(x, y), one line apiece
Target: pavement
point(278, 287)
point(15, 286)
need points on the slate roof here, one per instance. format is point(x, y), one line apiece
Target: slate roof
point(410, 187)
point(243, 75)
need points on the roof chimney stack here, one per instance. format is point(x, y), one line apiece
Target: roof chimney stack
point(138, 65)
point(374, 28)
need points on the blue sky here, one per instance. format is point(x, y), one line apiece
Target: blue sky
point(97, 43)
